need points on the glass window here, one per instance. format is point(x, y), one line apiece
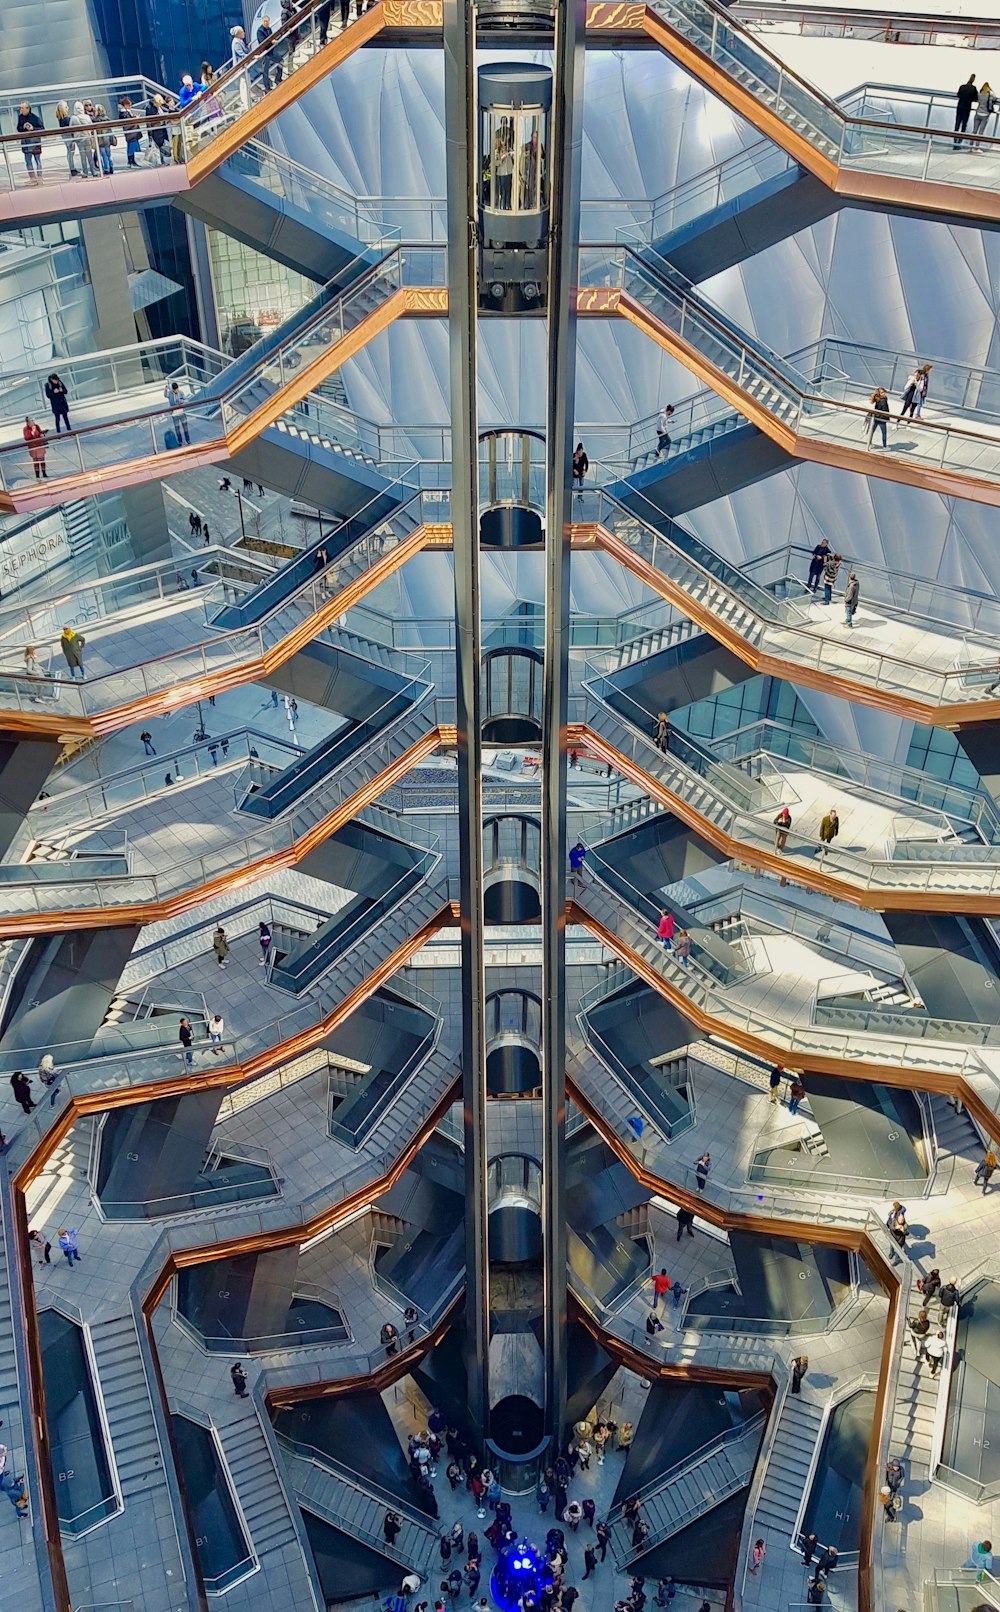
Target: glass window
point(513, 160)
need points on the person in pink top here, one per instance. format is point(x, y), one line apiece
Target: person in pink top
point(665, 928)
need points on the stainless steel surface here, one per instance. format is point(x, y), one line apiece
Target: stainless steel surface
point(460, 132)
point(565, 163)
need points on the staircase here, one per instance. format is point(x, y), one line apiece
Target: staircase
point(358, 1508)
point(330, 319)
point(703, 575)
point(690, 1490)
point(9, 1405)
point(695, 23)
point(299, 426)
point(784, 1485)
point(126, 1399)
point(958, 1137)
point(680, 445)
point(698, 793)
point(255, 1478)
point(914, 1408)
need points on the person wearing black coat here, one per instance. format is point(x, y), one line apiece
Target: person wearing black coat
point(29, 123)
point(56, 393)
point(21, 1087)
point(966, 97)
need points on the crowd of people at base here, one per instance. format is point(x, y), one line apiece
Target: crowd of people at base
point(441, 1441)
point(92, 131)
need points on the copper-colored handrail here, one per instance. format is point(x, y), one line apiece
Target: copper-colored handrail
point(854, 1238)
point(957, 715)
point(806, 874)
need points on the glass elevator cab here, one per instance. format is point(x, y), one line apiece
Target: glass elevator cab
point(515, 103)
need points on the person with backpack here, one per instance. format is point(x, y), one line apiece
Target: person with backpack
point(984, 1169)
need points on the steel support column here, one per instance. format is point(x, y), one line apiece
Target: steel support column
point(564, 204)
point(460, 134)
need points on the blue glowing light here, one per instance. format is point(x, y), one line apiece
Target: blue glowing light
point(521, 1570)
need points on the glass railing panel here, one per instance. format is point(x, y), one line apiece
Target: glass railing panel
point(331, 206)
point(132, 376)
point(234, 91)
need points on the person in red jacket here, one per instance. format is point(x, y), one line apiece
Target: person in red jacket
point(661, 1287)
point(34, 436)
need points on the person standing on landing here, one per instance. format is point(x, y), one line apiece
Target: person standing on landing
point(34, 436)
point(910, 392)
point(30, 124)
point(878, 415)
point(58, 398)
point(852, 594)
point(782, 823)
point(829, 828)
point(72, 646)
point(985, 107)
point(966, 97)
point(925, 381)
point(816, 564)
point(831, 566)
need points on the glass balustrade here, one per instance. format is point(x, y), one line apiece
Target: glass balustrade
point(866, 1049)
point(168, 134)
point(293, 601)
point(902, 140)
point(743, 809)
point(363, 764)
point(208, 409)
point(969, 667)
point(781, 389)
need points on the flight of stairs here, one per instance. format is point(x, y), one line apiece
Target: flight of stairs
point(689, 1491)
point(914, 1407)
point(262, 1495)
point(696, 25)
point(680, 445)
point(342, 1499)
point(126, 1398)
point(791, 1456)
point(8, 1367)
point(957, 1135)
